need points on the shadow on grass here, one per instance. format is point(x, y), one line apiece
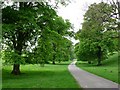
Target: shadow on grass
point(38, 79)
point(87, 65)
point(105, 63)
point(6, 74)
point(25, 75)
point(61, 63)
point(112, 61)
point(35, 76)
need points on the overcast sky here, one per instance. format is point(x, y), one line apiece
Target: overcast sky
point(75, 11)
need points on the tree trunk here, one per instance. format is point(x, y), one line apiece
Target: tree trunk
point(16, 69)
point(18, 50)
point(54, 55)
point(53, 62)
point(89, 62)
point(99, 54)
point(59, 61)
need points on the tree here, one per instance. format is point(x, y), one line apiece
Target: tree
point(116, 14)
point(97, 33)
point(23, 24)
point(53, 39)
point(16, 29)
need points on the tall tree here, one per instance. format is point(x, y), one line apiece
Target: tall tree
point(16, 29)
point(97, 33)
point(23, 24)
point(53, 38)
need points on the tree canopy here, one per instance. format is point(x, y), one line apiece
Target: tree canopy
point(33, 29)
point(98, 33)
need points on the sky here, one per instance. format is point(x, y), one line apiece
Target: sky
point(75, 12)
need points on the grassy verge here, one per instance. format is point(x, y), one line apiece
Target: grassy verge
point(35, 76)
point(108, 70)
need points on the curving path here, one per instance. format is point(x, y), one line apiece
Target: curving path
point(88, 80)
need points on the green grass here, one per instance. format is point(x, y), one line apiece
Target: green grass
point(35, 76)
point(108, 70)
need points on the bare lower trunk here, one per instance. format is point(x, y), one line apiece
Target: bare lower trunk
point(54, 56)
point(53, 62)
point(89, 62)
point(16, 69)
point(18, 43)
point(59, 61)
point(99, 54)
point(99, 63)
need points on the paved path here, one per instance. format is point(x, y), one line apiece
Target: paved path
point(88, 80)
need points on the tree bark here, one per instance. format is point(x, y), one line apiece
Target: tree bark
point(99, 55)
point(59, 61)
point(54, 56)
point(89, 62)
point(16, 69)
point(18, 49)
point(53, 62)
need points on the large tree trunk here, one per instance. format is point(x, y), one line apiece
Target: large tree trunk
point(53, 62)
point(89, 62)
point(99, 55)
point(16, 69)
point(18, 50)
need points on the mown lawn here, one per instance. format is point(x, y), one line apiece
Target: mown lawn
point(35, 76)
point(108, 70)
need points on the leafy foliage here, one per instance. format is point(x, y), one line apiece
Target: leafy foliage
point(97, 34)
point(34, 33)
